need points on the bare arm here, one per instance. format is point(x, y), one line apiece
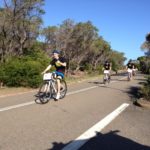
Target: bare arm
point(48, 67)
point(62, 63)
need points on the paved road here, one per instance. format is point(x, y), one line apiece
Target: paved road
point(55, 125)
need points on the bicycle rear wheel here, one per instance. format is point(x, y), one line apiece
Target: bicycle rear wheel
point(44, 93)
point(63, 89)
point(104, 79)
point(129, 76)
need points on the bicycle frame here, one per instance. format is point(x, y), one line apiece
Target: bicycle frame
point(50, 85)
point(106, 76)
point(129, 74)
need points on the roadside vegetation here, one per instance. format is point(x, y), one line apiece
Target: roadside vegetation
point(25, 46)
point(144, 66)
point(145, 90)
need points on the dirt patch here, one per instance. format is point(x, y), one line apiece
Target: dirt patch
point(144, 103)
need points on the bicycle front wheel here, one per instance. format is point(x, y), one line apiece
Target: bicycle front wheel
point(44, 93)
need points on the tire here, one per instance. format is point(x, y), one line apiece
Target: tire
point(53, 89)
point(44, 93)
point(105, 79)
point(129, 76)
point(109, 80)
point(63, 89)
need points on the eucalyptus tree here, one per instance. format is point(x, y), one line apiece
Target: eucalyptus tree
point(117, 59)
point(83, 36)
point(146, 45)
point(49, 37)
point(20, 23)
point(100, 51)
point(145, 63)
point(59, 37)
point(74, 39)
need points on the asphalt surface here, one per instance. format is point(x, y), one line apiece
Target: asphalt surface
point(54, 125)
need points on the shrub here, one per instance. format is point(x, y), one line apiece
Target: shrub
point(32, 70)
point(2, 74)
point(24, 71)
point(13, 73)
point(145, 90)
point(145, 66)
point(99, 69)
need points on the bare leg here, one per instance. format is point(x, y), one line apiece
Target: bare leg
point(58, 87)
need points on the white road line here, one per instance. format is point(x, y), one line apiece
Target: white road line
point(90, 133)
point(16, 106)
point(32, 102)
point(8, 95)
point(82, 90)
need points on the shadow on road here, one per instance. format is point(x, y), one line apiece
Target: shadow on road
point(135, 95)
point(107, 141)
point(96, 82)
point(134, 92)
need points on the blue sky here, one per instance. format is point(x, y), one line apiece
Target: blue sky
point(123, 23)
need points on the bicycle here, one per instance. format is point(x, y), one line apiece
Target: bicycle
point(129, 74)
point(48, 89)
point(133, 72)
point(106, 77)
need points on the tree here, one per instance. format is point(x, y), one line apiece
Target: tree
point(73, 39)
point(146, 45)
point(79, 43)
point(82, 37)
point(117, 59)
point(19, 27)
point(145, 61)
point(100, 51)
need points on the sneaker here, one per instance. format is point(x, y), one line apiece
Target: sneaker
point(57, 96)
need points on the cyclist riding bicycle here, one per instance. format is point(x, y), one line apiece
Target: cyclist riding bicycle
point(134, 70)
point(107, 66)
point(60, 65)
point(130, 67)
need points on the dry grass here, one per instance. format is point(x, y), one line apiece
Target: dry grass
point(71, 80)
point(7, 91)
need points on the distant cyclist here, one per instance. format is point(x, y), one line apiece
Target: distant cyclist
point(130, 67)
point(107, 66)
point(134, 70)
point(60, 65)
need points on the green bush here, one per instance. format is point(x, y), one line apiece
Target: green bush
point(32, 73)
point(2, 74)
point(100, 69)
point(24, 71)
point(88, 68)
point(20, 73)
point(145, 66)
point(13, 73)
point(145, 90)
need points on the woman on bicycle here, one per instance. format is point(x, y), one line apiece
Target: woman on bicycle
point(107, 66)
point(60, 65)
point(130, 68)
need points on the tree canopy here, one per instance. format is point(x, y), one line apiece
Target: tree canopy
point(22, 38)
